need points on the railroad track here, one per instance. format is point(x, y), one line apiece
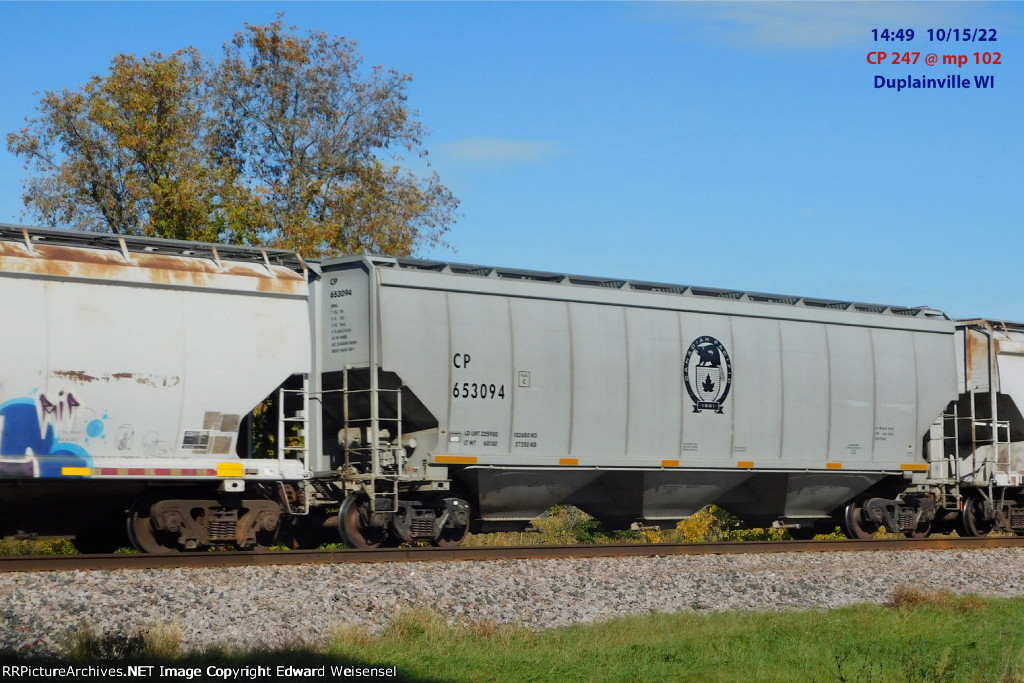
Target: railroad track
point(38, 563)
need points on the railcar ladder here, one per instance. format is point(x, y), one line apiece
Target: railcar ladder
point(994, 469)
point(1003, 473)
point(945, 448)
point(961, 463)
point(293, 443)
point(371, 459)
point(981, 469)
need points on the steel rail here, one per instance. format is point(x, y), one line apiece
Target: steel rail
point(38, 563)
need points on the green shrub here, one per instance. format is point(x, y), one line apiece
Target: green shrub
point(713, 524)
point(24, 546)
point(568, 525)
point(836, 535)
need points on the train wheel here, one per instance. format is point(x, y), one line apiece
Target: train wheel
point(455, 530)
point(971, 522)
point(266, 519)
point(451, 538)
point(854, 524)
point(141, 533)
point(354, 523)
point(923, 530)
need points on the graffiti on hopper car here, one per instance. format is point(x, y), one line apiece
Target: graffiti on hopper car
point(29, 442)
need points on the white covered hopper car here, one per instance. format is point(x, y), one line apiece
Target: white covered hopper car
point(192, 395)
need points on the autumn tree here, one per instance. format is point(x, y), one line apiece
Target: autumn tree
point(324, 142)
point(285, 141)
point(127, 152)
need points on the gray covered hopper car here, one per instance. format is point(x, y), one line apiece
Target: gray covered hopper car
point(197, 395)
point(637, 402)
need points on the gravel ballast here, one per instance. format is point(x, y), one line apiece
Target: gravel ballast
point(278, 605)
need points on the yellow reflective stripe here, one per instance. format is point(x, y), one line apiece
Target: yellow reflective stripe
point(915, 468)
point(76, 471)
point(670, 463)
point(230, 469)
point(745, 463)
point(568, 461)
point(455, 459)
point(834, 465)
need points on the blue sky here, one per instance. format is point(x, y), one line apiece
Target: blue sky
point(734, 145)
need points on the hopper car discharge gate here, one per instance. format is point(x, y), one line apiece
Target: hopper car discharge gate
point(420, 399)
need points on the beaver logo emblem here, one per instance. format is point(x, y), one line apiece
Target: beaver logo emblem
point(707, 374)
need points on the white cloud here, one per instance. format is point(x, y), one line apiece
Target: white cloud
point(504, 150)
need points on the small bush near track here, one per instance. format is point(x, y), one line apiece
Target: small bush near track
point(562, 525)
point(568, 525)
point(53, 546)
point(916, 636)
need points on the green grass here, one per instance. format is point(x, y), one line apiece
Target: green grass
point(918, 637)
point(930, 638)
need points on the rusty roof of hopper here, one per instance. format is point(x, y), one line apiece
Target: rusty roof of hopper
point(149, 245)
point(150, 261)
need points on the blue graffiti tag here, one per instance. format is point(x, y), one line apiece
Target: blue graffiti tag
point(23, 436)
